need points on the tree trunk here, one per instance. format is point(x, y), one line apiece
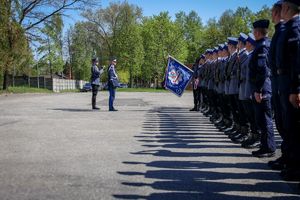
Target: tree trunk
point(5, 80)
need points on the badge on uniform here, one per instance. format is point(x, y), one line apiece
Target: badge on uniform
point(177, 76)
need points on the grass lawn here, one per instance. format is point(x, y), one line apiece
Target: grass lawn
point(18, 90)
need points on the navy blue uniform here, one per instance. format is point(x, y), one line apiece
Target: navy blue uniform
point(288, 72)
point(259, 73)
point(279, 29)
point(196, 87)
point(112, 76)
point(95, 81)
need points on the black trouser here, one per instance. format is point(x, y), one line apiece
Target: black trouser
point(95, 92)
point(234, 108)
point(263, 116)
point(250, 115)
point(197, 97)
point(212, 99)
point(291, 127)
point(227, 108)
point(241, 112)
point(294, 140)
point(279, 121)
point(205, 96)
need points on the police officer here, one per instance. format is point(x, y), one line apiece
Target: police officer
point(242, 57)
point(199, 85)
point(230, 84)
point(95, 81)
point(288, 71)
point(279, 163)
point(226, 122)
point(219, 86)
point(204, 81)
point(113, 83)
point(252, 140)
point(259, 73)
point(195, 85)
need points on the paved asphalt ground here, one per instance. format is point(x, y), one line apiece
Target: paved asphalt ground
point(54, 147)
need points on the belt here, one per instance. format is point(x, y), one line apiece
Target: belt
point(282, 71)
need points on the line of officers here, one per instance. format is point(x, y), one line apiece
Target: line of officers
point(242, 84)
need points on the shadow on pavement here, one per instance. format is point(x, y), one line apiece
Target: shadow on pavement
point(192, 160)
point(73, 110)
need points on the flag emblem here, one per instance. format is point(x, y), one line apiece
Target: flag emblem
point(177, 76)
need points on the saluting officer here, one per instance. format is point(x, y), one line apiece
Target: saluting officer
point(262, 91)
point(95, 81)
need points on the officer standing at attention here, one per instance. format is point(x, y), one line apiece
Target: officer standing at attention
point(279, 163)
point(253, 138)
point(113, 83)
point(195, 84)
point(288, 72)
point(235, 82)
point(242, 57)
point(95, 81)
point(229, 84)
point(259, 73)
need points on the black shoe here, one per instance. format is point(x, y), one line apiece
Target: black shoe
point(240, 140)
point(235, 135)
point(290, 174)
point(193, 109)
point(96, 108)
point(251, 144)
point(261, 153)
point(278, 164)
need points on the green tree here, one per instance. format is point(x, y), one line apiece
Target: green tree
point(192, 28)
point(51, 44)
point(213, 34)
point(162, 37)
point(23, 20)
point(265, 13)
point(116, 30)
point(81, 51)
point(14, 50)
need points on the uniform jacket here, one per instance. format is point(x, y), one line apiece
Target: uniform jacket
point(259, 69)
point(112, 75)
point(273, 55)
point(289, 57)
point(228, 71)
point(243, 76)
point(248, 84)
point(95, 74)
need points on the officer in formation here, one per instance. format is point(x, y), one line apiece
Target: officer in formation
point(196, 86)
point(95, 81)
point(242, 80)
point(285, 64)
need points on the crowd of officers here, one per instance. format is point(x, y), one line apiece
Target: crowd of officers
point(245, 83)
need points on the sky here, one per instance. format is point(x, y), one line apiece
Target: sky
point(205, 9)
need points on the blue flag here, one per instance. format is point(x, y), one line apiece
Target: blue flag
point(177, 76)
